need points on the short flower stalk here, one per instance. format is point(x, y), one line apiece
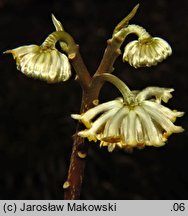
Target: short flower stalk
point(134, 120)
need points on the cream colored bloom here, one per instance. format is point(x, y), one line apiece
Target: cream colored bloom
point(143, 122)
point(147, 52)
point(43, 62)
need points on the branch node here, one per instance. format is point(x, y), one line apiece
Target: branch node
point(118, 38)
point(109, 41)
point(95, 102)
point(66, 185)
point(82, 155)
point(72, 56)
point(118, 51)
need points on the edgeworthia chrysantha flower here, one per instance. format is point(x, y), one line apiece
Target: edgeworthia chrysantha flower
point(146, 51)
point(43, 62)
point(137, 120)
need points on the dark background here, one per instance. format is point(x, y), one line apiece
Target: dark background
point(35, 124)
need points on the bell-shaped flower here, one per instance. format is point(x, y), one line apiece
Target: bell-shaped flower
point(146, 51)
point(43, 62)
point(144, 121)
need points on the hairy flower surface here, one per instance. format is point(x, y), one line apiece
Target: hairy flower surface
point(142, 122)
point(147, 52)
point(42, 62)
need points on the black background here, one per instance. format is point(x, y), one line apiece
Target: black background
point(35, 124)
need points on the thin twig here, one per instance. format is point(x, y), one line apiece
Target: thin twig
point(74, 180)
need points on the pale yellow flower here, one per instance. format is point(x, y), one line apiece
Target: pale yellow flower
point(43, 62)
point(142, 122)
point(146, 51)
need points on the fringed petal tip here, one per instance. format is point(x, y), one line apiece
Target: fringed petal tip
point(178, 114)
point(7, 52)
point(159, 94)
point(87, 134)
point(166, 95)
point(82, 118)
point(10, 52)
point(76, 116)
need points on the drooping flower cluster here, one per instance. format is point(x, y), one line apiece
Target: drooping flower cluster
point(143, 122)
point(136, 120)
point(147, 51)
point(43, 62)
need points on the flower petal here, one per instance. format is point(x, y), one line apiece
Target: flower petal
point(21, 51)
point(162, 120)
point(163, 94)
point(128, 49)
point(162, 110)
point(113, 130)
point(131, 135)
point(91, 113)
point(139, 131)
point(91, 133)
point(124, 130)
point(149, 128)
